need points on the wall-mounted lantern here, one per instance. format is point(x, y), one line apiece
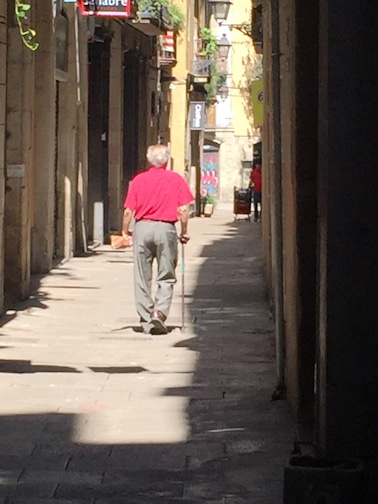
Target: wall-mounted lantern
point(223, 92)
point(224, 46)
point(221, 9)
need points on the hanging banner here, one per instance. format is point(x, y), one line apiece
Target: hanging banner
point(197, 116)
point(105, 8)
point(258, 102)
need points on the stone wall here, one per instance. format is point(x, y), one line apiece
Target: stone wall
point(46, 147)
point(3, 59)
point(298, 145)
point(116, 130)
point(44, 141)
point(231, 153)
point(19, 160)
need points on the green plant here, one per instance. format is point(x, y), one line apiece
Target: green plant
point(209, 43)
point(176, 15)
point(217, 79)
point(154, 7)
point(210, 199)
point(27, 34)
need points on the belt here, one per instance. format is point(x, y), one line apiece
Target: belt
point(154, 220)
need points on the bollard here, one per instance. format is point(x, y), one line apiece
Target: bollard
point(98, 222)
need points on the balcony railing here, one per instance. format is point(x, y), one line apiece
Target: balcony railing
point(153, 23)
point(201, 67)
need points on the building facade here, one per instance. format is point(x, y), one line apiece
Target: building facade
point(81, 98)
point(232, 131)
point(42, 150)
point(3, 66)
point(320, 246)
point(219, 156)
point(190, 75)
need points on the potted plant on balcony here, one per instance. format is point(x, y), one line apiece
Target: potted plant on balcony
point(208, 44)
point(217, 79)
point(154, 9)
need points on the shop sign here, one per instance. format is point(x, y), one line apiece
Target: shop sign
point(197, 116)
point(257, 88)
point(105, 8)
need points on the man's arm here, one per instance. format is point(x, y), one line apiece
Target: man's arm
point(127, 216)
point(184, 219)
point(251, 180)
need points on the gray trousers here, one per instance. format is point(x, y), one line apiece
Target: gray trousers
point(154, 240)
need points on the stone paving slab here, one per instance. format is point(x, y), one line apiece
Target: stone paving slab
point(94, 412)
point(28, 500)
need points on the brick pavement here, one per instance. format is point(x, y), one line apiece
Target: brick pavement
point(92, 411)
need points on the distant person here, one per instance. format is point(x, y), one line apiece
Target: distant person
point(157, 199)
point(256, 186)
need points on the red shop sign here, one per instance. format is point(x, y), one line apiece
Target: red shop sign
point(105, 8)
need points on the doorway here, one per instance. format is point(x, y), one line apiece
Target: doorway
point(98, 126)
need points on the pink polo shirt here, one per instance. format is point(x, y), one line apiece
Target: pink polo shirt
point(156, 194)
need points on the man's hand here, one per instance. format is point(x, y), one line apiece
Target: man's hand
point(184, 218)
point(127, 239)
point(184, 238)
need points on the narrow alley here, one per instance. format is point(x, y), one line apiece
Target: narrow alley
point(93, 411)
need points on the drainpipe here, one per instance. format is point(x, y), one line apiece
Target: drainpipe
point(276, 208)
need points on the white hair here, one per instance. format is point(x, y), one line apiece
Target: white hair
point(158, 155)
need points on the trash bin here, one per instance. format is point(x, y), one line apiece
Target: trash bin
point(242, 202)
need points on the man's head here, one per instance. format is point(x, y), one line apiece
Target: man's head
point(158, 155)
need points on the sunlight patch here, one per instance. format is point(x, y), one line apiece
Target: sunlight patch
point(151, 420)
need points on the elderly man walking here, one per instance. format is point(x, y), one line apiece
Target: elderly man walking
point(157, 199)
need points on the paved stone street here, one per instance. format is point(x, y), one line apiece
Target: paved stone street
point(93, 411)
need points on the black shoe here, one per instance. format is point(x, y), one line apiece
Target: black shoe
point(158, 319)
point(156, 332)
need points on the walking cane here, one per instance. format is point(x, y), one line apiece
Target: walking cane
point(183, 286)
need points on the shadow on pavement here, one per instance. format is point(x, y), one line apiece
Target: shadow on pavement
point(238, 439)
point(38, 298)
point(23, 366)
point(139, 329)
